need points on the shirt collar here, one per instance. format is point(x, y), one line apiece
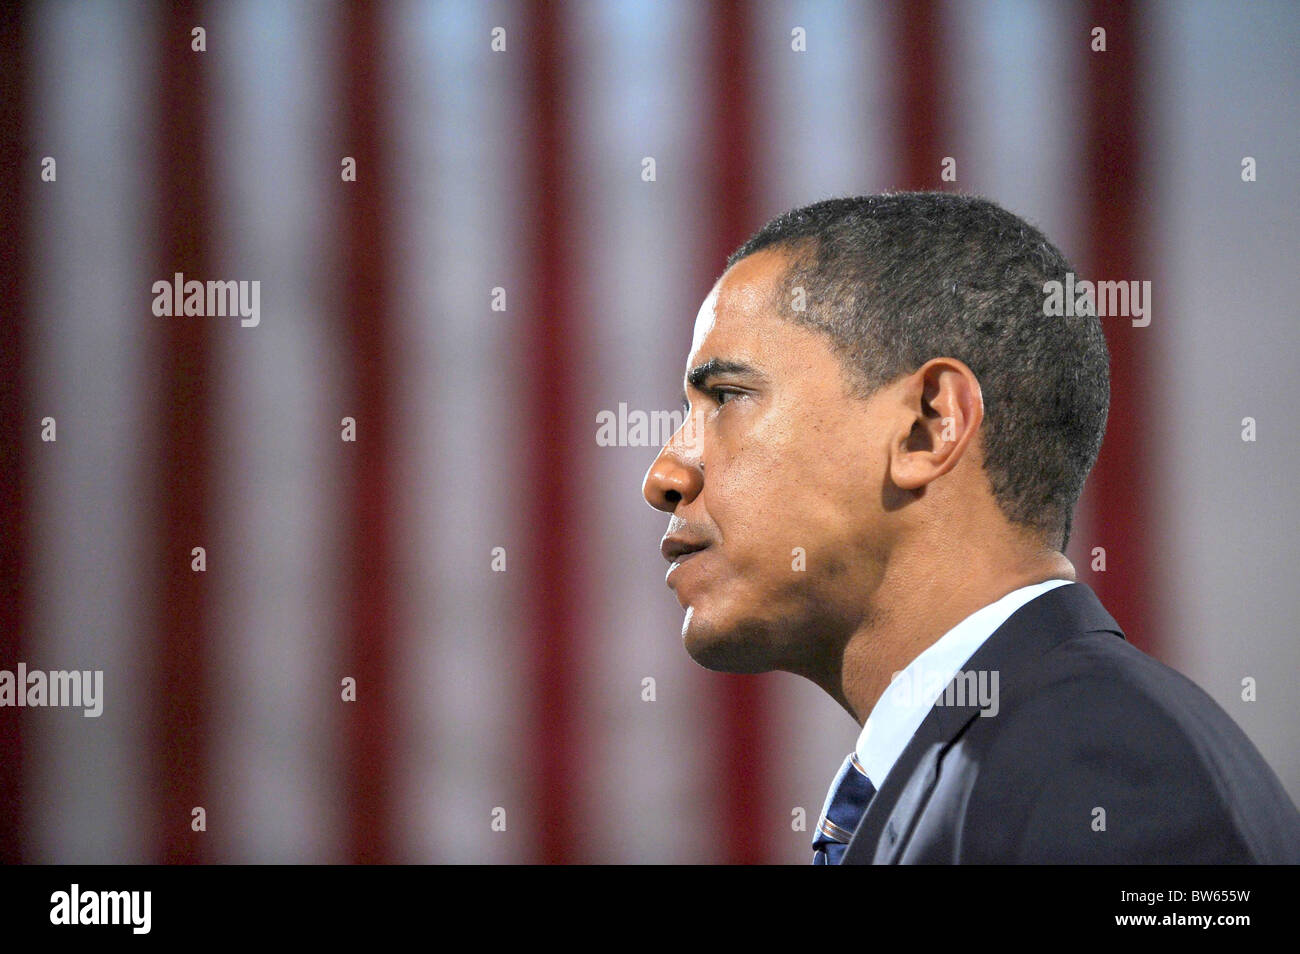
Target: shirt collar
point(905, 703)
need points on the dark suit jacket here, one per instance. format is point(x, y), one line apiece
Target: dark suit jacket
point(1084, 722)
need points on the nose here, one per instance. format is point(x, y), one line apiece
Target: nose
point(673, 478)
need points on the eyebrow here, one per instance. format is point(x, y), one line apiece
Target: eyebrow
point(715, 366)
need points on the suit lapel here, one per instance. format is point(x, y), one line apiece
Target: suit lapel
point(887, 824)
point(1012, 651)
point(888, 820)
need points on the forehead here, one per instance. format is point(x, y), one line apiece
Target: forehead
point(738, 316)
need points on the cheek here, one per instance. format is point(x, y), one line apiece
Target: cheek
point(765, 507)
point(780, 487)
point(817, 499)
point(746, 492)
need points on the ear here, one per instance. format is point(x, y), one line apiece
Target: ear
point(946, 406)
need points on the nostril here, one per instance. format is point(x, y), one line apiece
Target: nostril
point(672, 496)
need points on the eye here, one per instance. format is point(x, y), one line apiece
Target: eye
point(719, 393)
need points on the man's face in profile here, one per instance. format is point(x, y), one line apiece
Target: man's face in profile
point(774, 485)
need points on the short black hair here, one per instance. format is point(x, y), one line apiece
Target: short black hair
point(899, 278)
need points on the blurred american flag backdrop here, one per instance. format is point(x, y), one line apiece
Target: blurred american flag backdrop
point(543, 195)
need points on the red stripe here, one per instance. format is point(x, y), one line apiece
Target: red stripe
point(743, 764)
point(184, 449)
point(551, 348)
point(922, 125)
point(1120, 480)
point(17, 420)
point(370, 725)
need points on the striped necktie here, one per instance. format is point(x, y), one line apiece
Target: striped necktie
point(846, 803)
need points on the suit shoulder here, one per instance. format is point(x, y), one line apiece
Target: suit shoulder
point(1100, 688)
point(1103, 753)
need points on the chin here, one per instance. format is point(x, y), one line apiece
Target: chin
point(738, 648)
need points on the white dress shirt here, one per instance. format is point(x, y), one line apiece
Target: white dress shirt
point(905, 703)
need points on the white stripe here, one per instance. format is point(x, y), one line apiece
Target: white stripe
point(277, 410)
point(1018, 110)
point(825, 114)
point(637, 85)
point(462, 650)
point(90, 308)
point(1224, 337)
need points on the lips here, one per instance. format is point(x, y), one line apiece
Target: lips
point(677, 548)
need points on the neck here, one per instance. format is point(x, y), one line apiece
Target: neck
point(913, 607)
